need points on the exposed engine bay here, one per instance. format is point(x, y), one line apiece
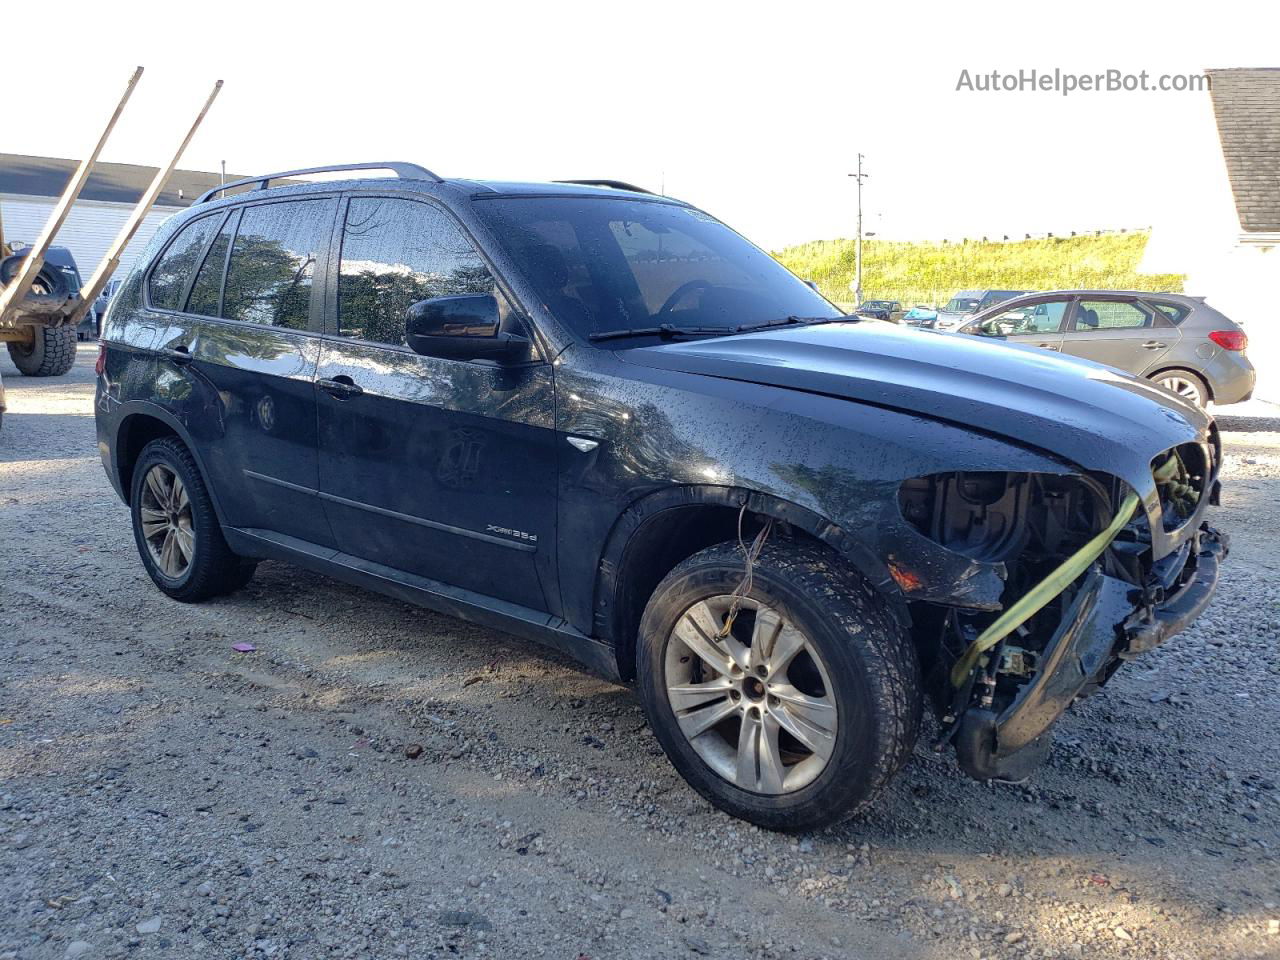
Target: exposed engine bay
point(1082, 592)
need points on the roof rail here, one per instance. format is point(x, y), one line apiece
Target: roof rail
point(615, 184)
point(405, 171)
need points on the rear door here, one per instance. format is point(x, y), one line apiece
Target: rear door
point(1122, 333)
point(441, 468)
point(249, 341)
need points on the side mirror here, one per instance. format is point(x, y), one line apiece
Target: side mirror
point(812, 285)
point(465, 327)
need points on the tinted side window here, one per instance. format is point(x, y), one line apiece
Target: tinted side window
point(273, 261)
point(395, 253)
point(206, 292)
point(170, 274)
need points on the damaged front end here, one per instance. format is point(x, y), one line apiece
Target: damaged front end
point(1094, 572)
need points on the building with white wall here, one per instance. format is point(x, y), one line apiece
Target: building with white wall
point(30, 187)
point(1223, 228)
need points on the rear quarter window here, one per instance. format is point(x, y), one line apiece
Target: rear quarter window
point(1175, 313)
point(169, 276)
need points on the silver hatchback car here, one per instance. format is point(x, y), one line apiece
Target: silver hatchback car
point(1180, 342)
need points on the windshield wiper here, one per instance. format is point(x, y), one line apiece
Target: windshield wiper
point(793, 321)
point(664, 330)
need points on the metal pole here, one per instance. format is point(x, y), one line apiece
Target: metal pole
point(112, 258)
point(857, 244)
point(14, 294)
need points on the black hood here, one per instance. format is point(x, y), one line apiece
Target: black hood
point(1091, 415)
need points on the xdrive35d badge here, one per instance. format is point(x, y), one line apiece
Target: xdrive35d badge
point(789, 528)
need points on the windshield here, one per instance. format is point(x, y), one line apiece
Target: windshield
point(961, 305)
point(605, 264)
point(876, 304)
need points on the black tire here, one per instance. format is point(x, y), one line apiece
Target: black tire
point(1202, 389)
point(213, 568)
point(51, 354)
point(870, 660)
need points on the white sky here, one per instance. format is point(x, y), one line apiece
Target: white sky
point(754, 112)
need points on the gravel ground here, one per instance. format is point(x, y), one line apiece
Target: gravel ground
point(379, 781)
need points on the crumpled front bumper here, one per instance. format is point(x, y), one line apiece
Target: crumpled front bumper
point(1108, 619)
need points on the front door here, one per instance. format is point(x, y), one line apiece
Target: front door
point(1036, 323)
point(445, 469)
point(1120, 333)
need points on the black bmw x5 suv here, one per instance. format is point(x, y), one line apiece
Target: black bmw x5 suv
point(603, 420)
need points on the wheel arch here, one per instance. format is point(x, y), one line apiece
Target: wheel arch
point(141, 424)
point(660, 530)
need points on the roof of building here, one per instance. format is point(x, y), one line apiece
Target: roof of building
point(111, 182)
point(1246, 103)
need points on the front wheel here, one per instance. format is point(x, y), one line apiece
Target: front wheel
point(800, 711)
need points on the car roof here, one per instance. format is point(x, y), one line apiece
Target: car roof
point(1083, 292)
point(455, 188)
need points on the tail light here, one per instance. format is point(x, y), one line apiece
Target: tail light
point(1230, 339)
point(101, 364)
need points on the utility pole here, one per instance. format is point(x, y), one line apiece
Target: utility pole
point(857, 249)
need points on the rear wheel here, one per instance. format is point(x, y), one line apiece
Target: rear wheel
point(800, 711)
point(176, 528)
point(51, 353)
point(1185, 384)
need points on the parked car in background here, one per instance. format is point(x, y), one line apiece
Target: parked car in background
point(50, 351)
point(890, 310)
point(1180, 342)
point(919, 316)
point(91, 325)
point(968, 302)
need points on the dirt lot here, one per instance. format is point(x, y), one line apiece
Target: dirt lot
point(161, 795)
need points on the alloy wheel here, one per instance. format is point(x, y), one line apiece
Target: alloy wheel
point(1187, 389)
point(755, 702)
point(165, 514)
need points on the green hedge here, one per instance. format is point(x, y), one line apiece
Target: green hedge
point(930, 273)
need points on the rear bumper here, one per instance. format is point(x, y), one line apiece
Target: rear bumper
point(1109, 620)
point(1232, 378)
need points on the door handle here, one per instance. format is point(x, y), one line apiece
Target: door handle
point(1154, 345)
point(341, 387)
point(179, 354)
point(1050, 346)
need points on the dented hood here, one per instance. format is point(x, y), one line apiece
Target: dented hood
point(1092, 415)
